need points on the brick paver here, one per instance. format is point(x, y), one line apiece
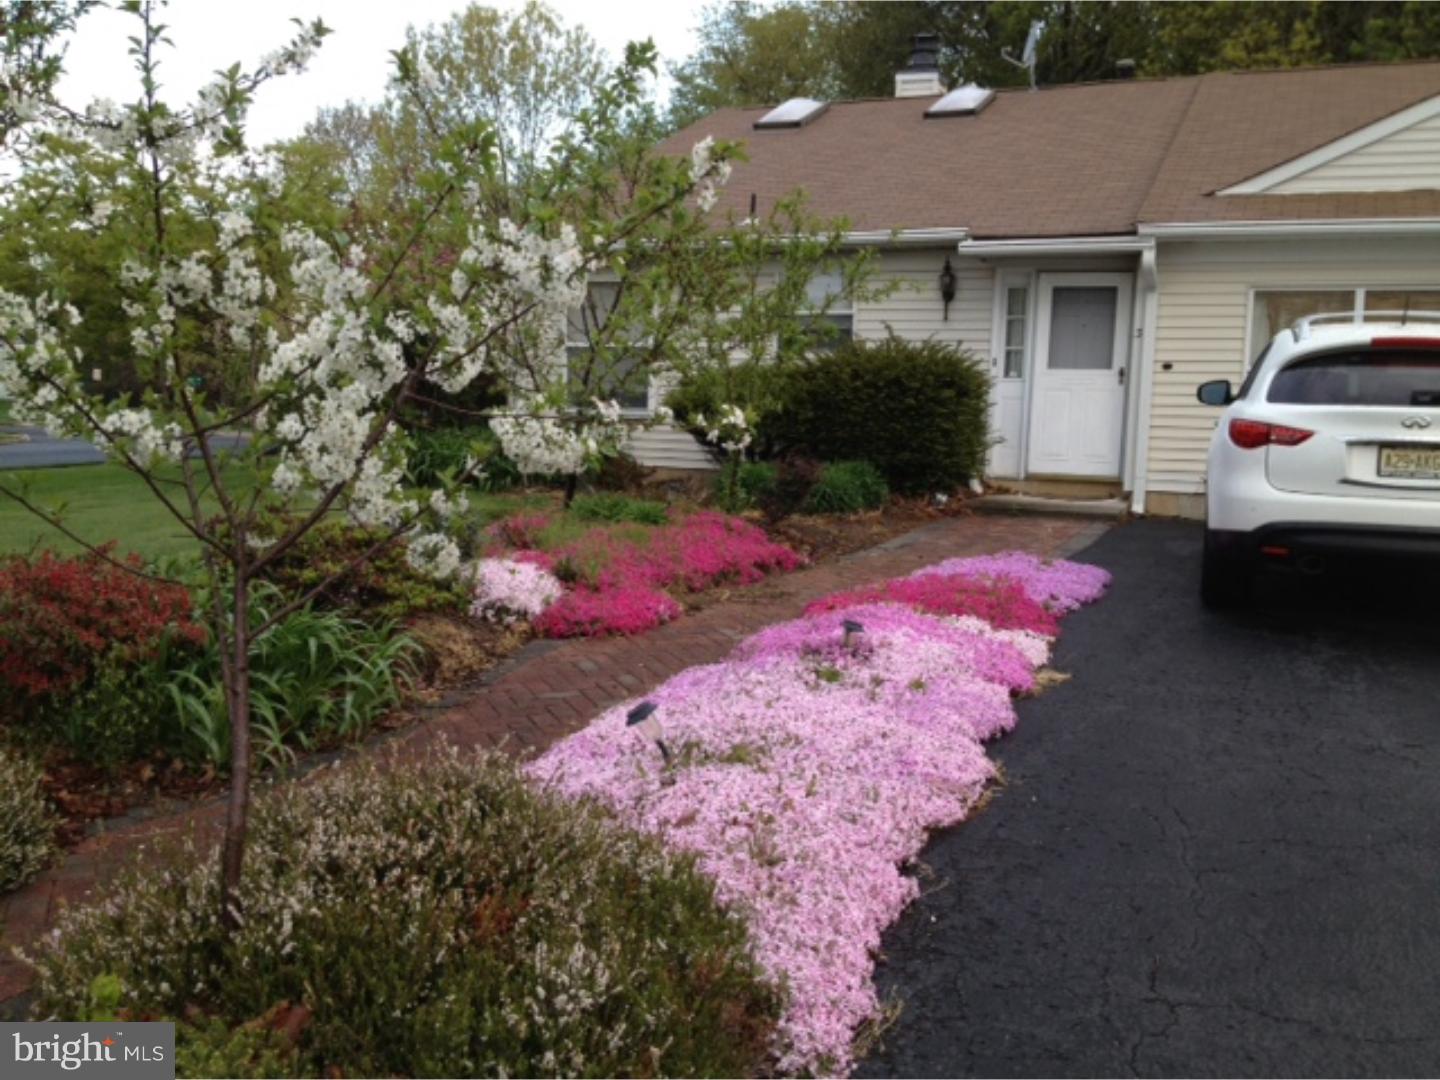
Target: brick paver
point(550, 689)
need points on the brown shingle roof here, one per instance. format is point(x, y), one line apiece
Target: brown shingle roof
point(1080, 160)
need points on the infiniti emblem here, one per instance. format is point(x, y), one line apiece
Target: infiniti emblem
point(1415, 422)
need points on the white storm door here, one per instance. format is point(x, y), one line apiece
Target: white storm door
point(1082, 350)
point(1009, 361)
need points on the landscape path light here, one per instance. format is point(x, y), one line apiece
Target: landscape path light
point(851, 629)
point(643, 717)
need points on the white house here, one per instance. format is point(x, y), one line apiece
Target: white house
point(1112, 244)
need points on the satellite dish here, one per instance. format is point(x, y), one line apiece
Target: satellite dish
point(1032, 46)
point(1032, 42)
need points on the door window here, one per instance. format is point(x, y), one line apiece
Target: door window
point(1082, 328)
point(1017, 299)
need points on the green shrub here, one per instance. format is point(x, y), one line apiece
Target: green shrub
point(744, 485)
point(318, 679)
point(794, 477)
point(701, 395)
point(619, 472)
point(437, 919)
point(27, 827)
point(613, 509)
point(917, 411)
point(440, 452)
point(381, 582)
point(847, 487)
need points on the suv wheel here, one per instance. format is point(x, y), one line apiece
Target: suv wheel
point(1225, 581)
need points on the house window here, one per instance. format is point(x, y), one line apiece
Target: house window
point(1427, 300)
point(1275, 309)
point(834, 310)
point(1017, 303)
point(622, 378)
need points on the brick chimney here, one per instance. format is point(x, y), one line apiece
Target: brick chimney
point(921, 76)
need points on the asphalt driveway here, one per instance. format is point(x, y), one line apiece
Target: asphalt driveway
point(1218, 852)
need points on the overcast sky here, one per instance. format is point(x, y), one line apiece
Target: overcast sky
point(352, 64)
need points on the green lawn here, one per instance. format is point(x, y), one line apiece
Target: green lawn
point(106, 502)
point(100, 503)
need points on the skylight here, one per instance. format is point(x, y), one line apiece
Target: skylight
point(797, 112)
point(962, 101)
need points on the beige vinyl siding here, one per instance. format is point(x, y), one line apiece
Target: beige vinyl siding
point(1407, 160)
point(913, 309)
point(1203, 321)
point(666, 447)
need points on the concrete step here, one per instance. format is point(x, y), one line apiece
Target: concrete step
point(1038, 504)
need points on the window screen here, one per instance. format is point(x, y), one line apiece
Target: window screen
point(1082, 328)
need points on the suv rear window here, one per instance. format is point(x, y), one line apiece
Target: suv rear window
point(1362, 377)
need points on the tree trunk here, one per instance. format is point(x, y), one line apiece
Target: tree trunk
point(572, 482)
point(237, 704)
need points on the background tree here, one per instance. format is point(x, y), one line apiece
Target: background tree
point(851, 49)
point(32, 33)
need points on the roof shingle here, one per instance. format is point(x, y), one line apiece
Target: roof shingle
point(1081, 160)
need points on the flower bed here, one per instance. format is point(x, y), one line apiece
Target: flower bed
point(807, 769)
point(620, 579)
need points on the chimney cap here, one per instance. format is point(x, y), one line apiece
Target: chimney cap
point(924, 53)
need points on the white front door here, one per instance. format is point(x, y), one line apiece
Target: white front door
point(1081, 356)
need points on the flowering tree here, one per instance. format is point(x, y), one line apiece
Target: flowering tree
point(244, 321)
point(252, 314)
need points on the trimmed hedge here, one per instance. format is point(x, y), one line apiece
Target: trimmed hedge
point(917, 411)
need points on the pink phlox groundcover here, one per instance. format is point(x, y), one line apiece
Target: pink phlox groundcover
point(807, 772)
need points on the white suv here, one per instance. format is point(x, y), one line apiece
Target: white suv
point(1330, 447)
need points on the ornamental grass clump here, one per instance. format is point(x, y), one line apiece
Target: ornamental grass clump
point(806, 770)
point(442, 919)
point(27, 826)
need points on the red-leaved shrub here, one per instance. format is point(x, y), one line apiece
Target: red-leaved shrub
point(1001, 602)
point(60, 616)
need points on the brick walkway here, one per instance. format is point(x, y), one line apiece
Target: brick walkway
point(550, 689)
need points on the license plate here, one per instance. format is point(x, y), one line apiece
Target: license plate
point(1409, 462)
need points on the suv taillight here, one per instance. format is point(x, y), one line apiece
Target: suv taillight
point(1253, 434)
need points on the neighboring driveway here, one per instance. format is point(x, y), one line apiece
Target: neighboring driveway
point(42, 450)
point(1218, 852)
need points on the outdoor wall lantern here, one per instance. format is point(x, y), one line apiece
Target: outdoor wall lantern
point(643, 717)
point(851, 629)
point(947, 286)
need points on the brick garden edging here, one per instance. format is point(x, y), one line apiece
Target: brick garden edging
point(550, 689)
